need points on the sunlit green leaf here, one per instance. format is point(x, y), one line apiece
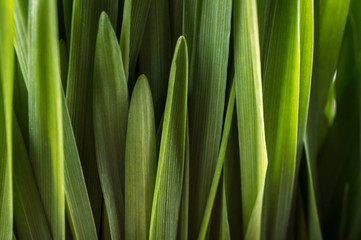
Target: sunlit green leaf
point(281, 73)
point(45, 113)
point(172, 154)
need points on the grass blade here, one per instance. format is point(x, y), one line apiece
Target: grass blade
point(155, 54)
point(79, 210)
point(281, 96)
point(45, 113)
point(135, 15)
point(184, 210)
point(252, 143)
point(21, 34)
point(306, 57)
point(110, 122)
point(6, 96)
point(29, 216)
point(140, 162)
point(232, 182)
point(208, 78)
point(220, 161)
point(85, 18)
point(172, 154)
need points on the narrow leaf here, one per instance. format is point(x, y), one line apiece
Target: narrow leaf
point(140, 162)
point(218, 170)
point(155, 54)
point(110, 104)
point(6, 100)
point(135, 15)
point(281, 93)
point(252, 143)
point(172, 154)
point(29, 216)
point(45, 113)
point(208, 78)
point(84, 27)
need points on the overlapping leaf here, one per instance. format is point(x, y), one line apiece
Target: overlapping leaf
point(172, 153)
point(140, 162)
point(6, 99)
point(207, 92)
point(110, 109)
point(45, 113)
point(281, 95)
point(252, 143)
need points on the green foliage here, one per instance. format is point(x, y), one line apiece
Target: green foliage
point(250, 131)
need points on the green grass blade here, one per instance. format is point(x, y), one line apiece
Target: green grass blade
point(140, 162)
point(281, 94)
point(225, 231)
point(172, 154)
point(21, 35)
point(306, 56)
point(155, 54)
point(232, 182)
point(29, 217)
point(135, 15)
point(110, 104)
point(45, 113)
point(218, 170)
point(78, 205)
point(184, 210)
point(6, 95)
point(208, 78)
point(79, 209)
point(252, 143)
point(85, 18)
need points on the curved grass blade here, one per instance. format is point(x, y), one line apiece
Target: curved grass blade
point(155, 54)
point(140, 162)
point(207, 82)
point(220, 161)
point(45, 113)
point(172, 153)
point(6, 95)
point(135, 15)
point(252, 143)
point(29, 217)
point(281, 95)
point(110, 104)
